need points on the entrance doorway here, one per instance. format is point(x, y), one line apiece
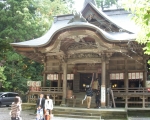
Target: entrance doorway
point(135, 83)
point(86, 78)
point(117, 83)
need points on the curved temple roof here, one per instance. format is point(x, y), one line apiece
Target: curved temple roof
point(63, 23)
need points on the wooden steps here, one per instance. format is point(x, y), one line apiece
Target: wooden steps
point(96, 114)
point(78, 101)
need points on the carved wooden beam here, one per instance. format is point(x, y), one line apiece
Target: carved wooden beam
point(84, 60)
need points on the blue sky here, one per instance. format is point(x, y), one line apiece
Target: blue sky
point(78, 4)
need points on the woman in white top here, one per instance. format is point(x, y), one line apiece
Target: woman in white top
point(48, 107)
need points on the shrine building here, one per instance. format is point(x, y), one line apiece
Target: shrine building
point(78, 45)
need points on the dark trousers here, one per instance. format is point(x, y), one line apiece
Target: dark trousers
point(97, 103)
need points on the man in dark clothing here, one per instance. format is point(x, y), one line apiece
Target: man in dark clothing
point(97, 99)
point(41, 101)
point(89, 94)
point(41, 104)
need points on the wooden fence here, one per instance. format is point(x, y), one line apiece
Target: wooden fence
point(54, 92)
point(132, 97)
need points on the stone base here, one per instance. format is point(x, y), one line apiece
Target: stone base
point(28, 106)
point(103, 105)
point(63, 103)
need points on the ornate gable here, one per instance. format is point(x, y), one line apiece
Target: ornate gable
point(97, 18)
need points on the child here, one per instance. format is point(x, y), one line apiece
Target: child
point(39, 113)
point(47, 115)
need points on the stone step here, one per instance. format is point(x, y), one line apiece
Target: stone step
point(133, 113)
point(96, 113)
point(78, 103)
point(83, 115)
point(78, 116)
point(77, 113)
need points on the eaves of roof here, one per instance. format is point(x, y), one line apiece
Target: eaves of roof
point(62, 25)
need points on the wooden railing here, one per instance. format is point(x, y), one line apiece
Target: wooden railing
point(132, 96)
point(52, 89)
point(55, 92)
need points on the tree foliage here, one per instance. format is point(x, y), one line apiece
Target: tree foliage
point(2, 76)
point(28, 19)
point(24, 20)
point(141, 12)
point(105, 3)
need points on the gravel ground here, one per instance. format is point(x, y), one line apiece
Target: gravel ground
point(29, 115)
point(138, 118)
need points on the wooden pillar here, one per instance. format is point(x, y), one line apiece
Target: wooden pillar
point(126, 84)
point(96, 76)
point(103, 83)
point(59, 80)
point(143, 100)
point(44, 75)
point(108, 85)
point(44, 79)
point(107, 76)
point(144, 80)
point(145, 73)
point(64, 84)
point(51, 83)
point(126, 81)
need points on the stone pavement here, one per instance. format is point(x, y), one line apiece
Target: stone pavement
point(138, 118)
point(28, 115)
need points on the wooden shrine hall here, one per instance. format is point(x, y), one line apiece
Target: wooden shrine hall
point(76, 46)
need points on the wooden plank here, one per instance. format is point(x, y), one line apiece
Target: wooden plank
point(112, 95)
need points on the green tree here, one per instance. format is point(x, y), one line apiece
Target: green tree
point(24, 20)
point(28, 19)
point(141, 16)
point(2, 76)
point(105, 3)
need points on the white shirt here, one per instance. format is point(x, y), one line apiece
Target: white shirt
point(49, 104)
point(40, 101)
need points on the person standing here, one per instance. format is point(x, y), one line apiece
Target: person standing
point(41, 103)
point(89, 94)
point(20, 103)
point(15, 109)
point(97, 99)
point(95, 85)
point(39, 114)
point(48, 107)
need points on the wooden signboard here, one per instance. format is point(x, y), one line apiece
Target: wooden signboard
point(34, 85)
point(103, 94)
